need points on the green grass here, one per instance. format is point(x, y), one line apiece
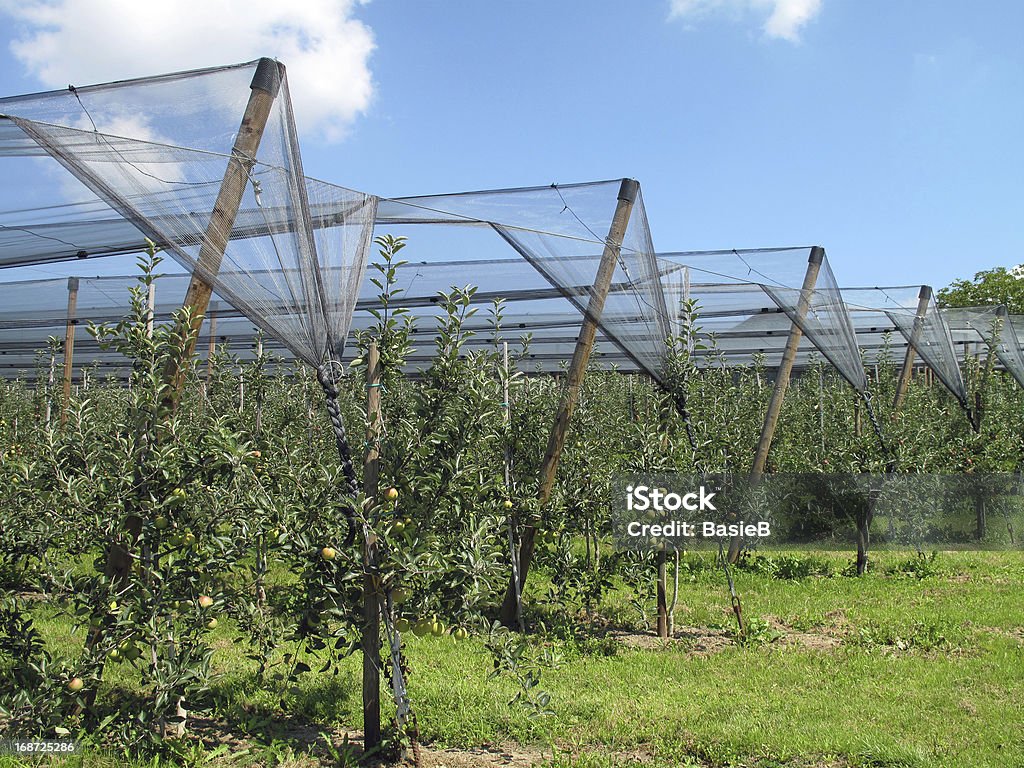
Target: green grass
point(924, 672)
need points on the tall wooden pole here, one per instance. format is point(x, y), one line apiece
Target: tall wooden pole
point(371, 590)
point(69, 345)
point(266, 83)
point(574, 380)
point(923, 301)
point(771, 417)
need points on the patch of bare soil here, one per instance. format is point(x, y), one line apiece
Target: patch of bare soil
point(311, 749)
point(706, 641)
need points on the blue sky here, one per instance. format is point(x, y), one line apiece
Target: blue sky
point(889, 132)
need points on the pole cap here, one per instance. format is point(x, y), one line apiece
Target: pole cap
point(817, 255)
point(628, 190)
point(268, 76)
point(926, 292)
point(72, 283)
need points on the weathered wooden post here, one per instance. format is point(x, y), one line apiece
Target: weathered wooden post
point(69, 345)
point(577, 369)
point(371, 586)
point(771, 418)
point(266, 83)
point(923, 300)
point(264, 87)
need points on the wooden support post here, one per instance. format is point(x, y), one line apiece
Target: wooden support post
point(264, 88)
point(371, 586)
point(923, 300)
point(577, 369)
point(771, 417)
point(69, 345)
point(786, 365)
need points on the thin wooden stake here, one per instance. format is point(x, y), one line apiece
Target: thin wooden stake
point(150, 309)
point(69, 345)
point(577, 370)
point(49, 386)
point(371, 586)
point(513, 520)
point(211, 349)
point(662, 561)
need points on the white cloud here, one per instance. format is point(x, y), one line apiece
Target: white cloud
point(785, 18)
point(324, 47)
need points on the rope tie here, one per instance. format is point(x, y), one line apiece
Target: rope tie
point(891, 464)
point(323, 375)
point(684, 411)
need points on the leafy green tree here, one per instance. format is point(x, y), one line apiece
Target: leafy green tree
point(990, 286)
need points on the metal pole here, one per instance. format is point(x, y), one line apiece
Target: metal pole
point(923, 300)
point(577, 369)
point(69, 345)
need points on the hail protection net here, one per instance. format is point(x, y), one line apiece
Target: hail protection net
point(727, 284)
point(975, 328)
point(561, 232)
point(914, 313)
point(162, 154)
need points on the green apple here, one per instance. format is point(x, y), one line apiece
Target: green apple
point(422, 628)
point(76, 684)
point(328, 553)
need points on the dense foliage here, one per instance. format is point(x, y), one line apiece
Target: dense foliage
point(149, 525)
